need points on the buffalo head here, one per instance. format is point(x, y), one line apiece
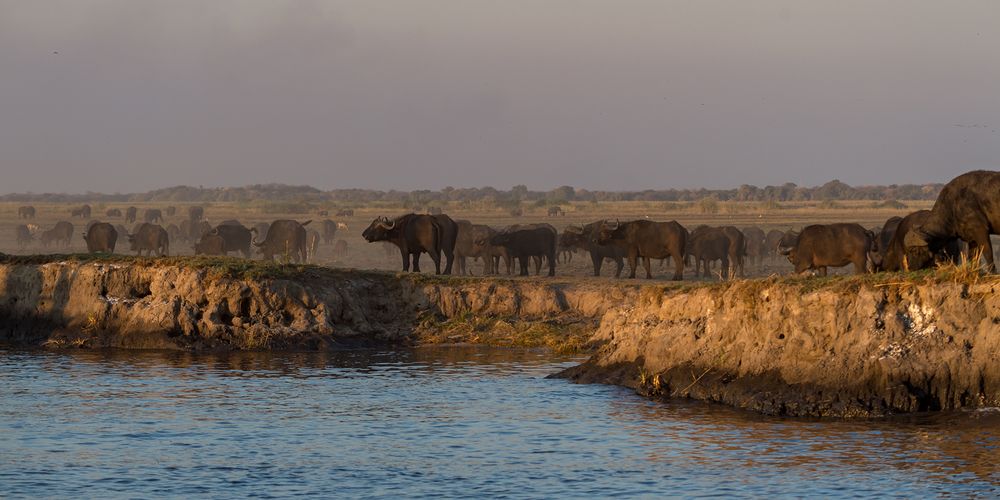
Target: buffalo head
point(606, 232)
point(380, 229)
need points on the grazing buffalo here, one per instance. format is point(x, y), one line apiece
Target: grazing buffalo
point(340, 248)
point(473, 241)
point(556, 211)
point(585, 238)
point(885, 236)
point(771, 242)
point(415, 234)
point(26, 212)
point(284, 237)
point(707, 245)
point(130, 214)
point(82, 212)
point(171, 211)
point(828, 245)
point(346, 212)
point(329, 231)
point(101, 237)
point(648, 240)
point(174, 232)
point(236, 237)
point(968, 207)
point(151, 238)
point(895, 256)
point(62, 232)
point(312, 245)
point(153, 215)
point(522, 244)
point(210, 244)
point(23, 235)
point(113, 212)
point(755, 245)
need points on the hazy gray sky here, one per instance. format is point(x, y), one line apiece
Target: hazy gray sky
point(131, 95)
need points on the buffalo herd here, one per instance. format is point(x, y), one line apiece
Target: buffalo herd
point(958, 226)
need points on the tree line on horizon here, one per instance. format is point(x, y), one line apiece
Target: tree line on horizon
point(830, 191)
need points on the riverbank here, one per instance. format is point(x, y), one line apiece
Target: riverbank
point(841, 346)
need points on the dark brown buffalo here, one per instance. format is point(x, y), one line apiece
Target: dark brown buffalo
point(556, 211)
point(737, 248)
point(473, 241)
point(828, 245)
point(771, 242)
point(648, 240)
point(707, 245)
point(286, 238)
point(237, 238)
point(210, 244)
point(885, 236)
point(152, 215)
point(130, 214)
point(329, 231)
point(26, 212)
point(171, 211)
point(62, 232)
point(23, 235)
point(346, 212)
point(82, 212)
point(415, 234)
point(312, 245)
point(968, 207)
point(151, 238)
point(101, 237)
point(755, 245)
point(195, 216)
point(186, 231)
point(585, 238)
point(524, 244)
point(113, 212)
point(196, 213)
point(895, 257)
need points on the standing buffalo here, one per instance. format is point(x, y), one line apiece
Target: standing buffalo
point(82, 212)
point(346, 212)
point(195, 216)
point(174, 232)
point(755, 245)
point(150, 237)
point(284, 237)
point(113, 212)
point(523, 244)
point(585, 239)
point(101, 237)
point(236, 237)
point(210, 244)
point(832, 245)
point(649, 240)
point(771, 242)
point(737, 248)
point(707, 245)
point(968, 207)
point(26, 212)
point(23, 235)
point(152, 215)
point(894, 257)
point(556, 211)
point(883, 237)
point(130, 214)
point(61, 232)
point(329, 231)
point(473, 241)
point(415, 234)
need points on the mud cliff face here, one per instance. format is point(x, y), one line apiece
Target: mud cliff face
point(165, 304)
point(854, 348)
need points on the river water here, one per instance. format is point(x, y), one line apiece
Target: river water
point(440, 422)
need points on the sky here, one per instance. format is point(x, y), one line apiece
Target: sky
point(132, 95)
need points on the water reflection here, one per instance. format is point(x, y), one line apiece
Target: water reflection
point(454, 421)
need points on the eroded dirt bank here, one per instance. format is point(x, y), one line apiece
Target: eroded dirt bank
point(189, 303)
point(843, 347)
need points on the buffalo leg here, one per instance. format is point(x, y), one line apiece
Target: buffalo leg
point(645, 264)
point(982, 244)
point(619, 266)
point(678, 266)
point(406, 259)
point(552, 263)
point(416, 261)
point(725, 267)
point(436, 257)
point(598, 261)
point(460, 264)
point(633, 263)
point(522, 260)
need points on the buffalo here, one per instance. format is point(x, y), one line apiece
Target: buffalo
point(707, 245)
point(174, 232)
point(340, 248)
point(895, 256)
point(26, 212)
point(585, 238)
point(61, 232)
point(885, 236)
point(473, 241)
point(771, 242)
point(152, 215)
point(968, 207)
point(171, 211)
point(648, 240)
point(113, 212)
point(556, 211)
point(346, 212)
point(284, 237)
point(151, 238)
point(737, 248)
point(236, 237)
point(828, 245)
point(101, 237)
point(756, 242)
point(522, 244)
point(82, 212)
point(415, 234)
point(23, 235)
point(130, 214)
point(210, 244)
point(329, 231)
